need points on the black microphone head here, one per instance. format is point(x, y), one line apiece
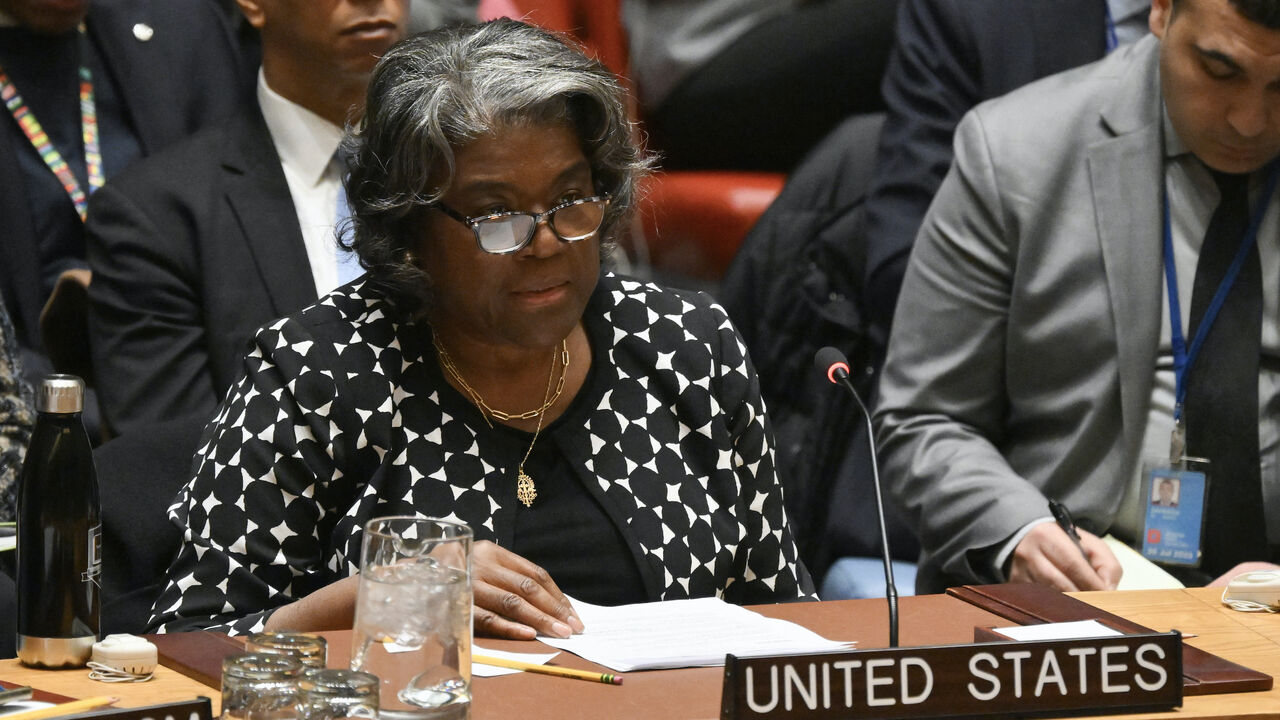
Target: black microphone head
point(831, 362)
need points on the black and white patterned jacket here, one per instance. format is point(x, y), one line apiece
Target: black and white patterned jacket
point(343, 415)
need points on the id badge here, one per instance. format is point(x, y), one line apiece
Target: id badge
point(1174, 514)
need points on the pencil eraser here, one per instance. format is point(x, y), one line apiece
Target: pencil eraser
point(128, 653)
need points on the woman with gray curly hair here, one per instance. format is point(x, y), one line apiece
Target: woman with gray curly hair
point(602, 437)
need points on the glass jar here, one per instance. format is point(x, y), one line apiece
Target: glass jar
point(337, 694)
point(310, 649)
point(258, 686)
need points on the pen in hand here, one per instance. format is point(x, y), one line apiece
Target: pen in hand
point(1063, 518)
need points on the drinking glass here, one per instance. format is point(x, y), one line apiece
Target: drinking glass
point(413, 616)
point(310, 649)
point(260, 687)
point(337, 695)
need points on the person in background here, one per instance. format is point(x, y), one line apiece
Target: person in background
point(16, 417)
point(753, 84)
point(824, 264)
point(949, 56)
point(131, 76)
point(598, 434)
point(196, 248)
point(429, 14)
point(1032, 355)
point(16, 422)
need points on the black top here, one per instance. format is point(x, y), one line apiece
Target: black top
point(600, 569)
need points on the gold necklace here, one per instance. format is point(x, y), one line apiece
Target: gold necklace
point(447, 362)
point(526, 491)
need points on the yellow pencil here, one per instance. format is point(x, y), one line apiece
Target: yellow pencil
point(66, 708)
point(606, 678)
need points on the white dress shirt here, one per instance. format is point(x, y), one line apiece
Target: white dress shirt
point(1192, 199)
point(306, 144)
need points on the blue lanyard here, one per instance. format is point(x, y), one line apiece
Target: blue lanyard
point(1112, 41)
point(1184, 358)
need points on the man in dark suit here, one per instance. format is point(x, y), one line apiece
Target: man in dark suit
point(195, 249)
point(950, 55)
point(159, 69)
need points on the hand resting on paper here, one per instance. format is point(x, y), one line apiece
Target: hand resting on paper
point(1047, 556)
point(515, 598)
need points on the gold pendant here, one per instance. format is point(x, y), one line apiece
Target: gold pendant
point(525, 491)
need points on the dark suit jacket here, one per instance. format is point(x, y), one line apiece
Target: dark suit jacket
point(191, 252)
point(185, 76)
point(949, 56)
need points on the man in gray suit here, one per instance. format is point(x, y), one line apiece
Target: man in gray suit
point(1031, 353)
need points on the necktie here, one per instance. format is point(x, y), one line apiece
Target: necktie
point(348, 265)
point(1221, 406)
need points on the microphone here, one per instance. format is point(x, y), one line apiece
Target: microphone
point(833, 363)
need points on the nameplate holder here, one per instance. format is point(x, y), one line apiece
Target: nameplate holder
point(197, 709)
point(1128, 673)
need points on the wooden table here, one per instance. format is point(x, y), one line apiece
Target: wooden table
point(166, 686)
point(1250, 639)
point(694, 694)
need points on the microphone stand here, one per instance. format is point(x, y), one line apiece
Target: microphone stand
point(833, 363)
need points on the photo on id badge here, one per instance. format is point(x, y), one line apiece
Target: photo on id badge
point(1173, 513)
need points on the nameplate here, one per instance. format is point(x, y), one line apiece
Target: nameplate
point(1128, 672)
point(197, 709)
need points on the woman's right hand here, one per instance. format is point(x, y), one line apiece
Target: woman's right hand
point(515, 598)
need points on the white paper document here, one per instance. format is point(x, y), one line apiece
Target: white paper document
point(683, 633)
point(1139, 572)
point(1076, 630)
point(17, 707)
point(479, 669)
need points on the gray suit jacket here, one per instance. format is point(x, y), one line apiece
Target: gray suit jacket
point(1021, 360)
point(192, 251)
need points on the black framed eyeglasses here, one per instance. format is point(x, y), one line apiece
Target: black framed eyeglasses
point(506, 232)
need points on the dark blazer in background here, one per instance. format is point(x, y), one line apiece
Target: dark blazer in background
point(191, 252)
point(139, 475)
point(183, 77)
point(949, 56)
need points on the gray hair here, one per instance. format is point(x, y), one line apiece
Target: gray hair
point(441, 89)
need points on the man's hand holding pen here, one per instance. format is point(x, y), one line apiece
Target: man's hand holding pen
point(1062, 556)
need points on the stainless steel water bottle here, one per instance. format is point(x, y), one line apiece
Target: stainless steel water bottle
point(59, 533)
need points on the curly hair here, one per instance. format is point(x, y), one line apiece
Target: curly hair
point(439, 90)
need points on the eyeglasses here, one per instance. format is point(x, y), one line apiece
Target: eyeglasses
point(506, 232)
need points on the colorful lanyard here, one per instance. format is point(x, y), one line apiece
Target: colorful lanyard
point(43, 145)
point(1184, 358)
